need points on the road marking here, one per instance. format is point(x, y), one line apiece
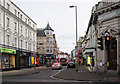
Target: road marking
point(89, 69)
point(56, 74)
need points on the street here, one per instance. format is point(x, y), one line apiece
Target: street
point(43, 76)
point(49, 75)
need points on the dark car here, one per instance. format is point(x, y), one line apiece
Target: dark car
point(71, 65)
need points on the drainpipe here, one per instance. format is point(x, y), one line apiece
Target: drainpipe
point(4, 21)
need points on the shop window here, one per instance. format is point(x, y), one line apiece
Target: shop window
point(12, 61)
point(8, 61)
point(5, 61)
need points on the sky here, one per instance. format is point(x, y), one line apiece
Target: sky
point(60, 17)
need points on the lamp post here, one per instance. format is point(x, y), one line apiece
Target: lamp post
point(76, 32)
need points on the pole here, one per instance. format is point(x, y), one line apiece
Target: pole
point(76, 25)
point(76, 39)
point(34, 61)
point(76, 35)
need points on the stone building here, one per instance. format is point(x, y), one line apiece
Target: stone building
point(17, 36)
point(46, 42)
point(106, 20)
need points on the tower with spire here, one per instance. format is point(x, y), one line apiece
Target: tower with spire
point(47, 43)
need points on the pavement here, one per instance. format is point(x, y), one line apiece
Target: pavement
point(24, 71)
point(85, 74)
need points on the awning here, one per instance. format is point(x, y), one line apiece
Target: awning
point(89, 50)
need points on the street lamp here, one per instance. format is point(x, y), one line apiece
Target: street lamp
point(76, 30)
point(76, 20)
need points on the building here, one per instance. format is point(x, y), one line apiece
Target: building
point(80, 55)
point(107, 23)
point(46, 43)
point(104, 22)
point(18, 36)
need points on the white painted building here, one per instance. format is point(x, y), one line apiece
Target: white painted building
point(16, 28)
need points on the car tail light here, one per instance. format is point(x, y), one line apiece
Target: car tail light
point(52, 65)
point(58, 64)
point(66, 62)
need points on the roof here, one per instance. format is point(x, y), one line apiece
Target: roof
point(48, 27)
point(40, 33)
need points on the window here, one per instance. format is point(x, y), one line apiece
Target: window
point(21, 16)
point(30, 34)
point(21, 29)
point(28, 21)
point(0, 18)
point(50, 33)
point(40, 43)
point(26, 45)
point(15, 42)
point(50, 40)
point(47, 49)
point(33, 26)
point(8, 22)
point(51, 50)
point(8, 39)
point(21, 43)
point(0, 37)
point(15, 12)
point(18, 14)
point(33, 36)
point(15, 25)
point(26, 32)
point(47, 39)
point(47, 32)
point(25, 20)
point(8, 6)
point(33, 47)
point(30, 46)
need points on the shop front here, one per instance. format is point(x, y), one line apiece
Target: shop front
point(41, 60)
point(33, 59)
point(8, 58)
point(24, 59)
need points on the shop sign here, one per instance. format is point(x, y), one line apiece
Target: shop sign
point(4, 50)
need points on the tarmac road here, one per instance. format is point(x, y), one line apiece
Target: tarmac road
point(45, 76)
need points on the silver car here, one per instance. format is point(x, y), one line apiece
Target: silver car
point(56, 66)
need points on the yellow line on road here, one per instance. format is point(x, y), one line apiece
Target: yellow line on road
point(89, 69)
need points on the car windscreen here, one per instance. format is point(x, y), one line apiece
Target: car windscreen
point(63, 60)
point(56, 63)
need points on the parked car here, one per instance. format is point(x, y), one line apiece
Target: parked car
point(56, 66)
point(71, 65)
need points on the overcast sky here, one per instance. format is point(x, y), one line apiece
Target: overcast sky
point(60, 17)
